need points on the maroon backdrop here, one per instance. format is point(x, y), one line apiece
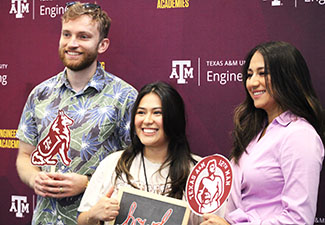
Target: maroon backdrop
point(203, 42)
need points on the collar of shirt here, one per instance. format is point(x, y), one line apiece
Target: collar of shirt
point(285, 118)
point(98, 81)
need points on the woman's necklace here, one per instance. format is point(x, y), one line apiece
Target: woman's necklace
point(145, 175)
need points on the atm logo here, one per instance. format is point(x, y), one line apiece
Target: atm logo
point(19, 7)
point(181, 71)
point(19, 205)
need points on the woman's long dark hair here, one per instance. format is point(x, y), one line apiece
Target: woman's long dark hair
point(179, 155)
point(291, 88)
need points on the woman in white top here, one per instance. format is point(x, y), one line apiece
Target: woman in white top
point(159, 159)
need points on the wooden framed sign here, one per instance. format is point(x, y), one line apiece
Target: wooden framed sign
point(144, 208)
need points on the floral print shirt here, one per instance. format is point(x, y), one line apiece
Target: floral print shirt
point(101, 123)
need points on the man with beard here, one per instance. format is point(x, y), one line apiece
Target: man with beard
point(73, 120)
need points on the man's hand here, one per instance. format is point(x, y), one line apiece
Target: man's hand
point(58, 185)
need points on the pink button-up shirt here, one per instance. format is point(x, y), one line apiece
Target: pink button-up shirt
point(276, 181)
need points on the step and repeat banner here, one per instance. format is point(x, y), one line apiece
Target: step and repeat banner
point(198, 46)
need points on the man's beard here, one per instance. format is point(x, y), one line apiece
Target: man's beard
point(84, 62)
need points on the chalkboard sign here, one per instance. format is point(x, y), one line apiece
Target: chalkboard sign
point(144, 208)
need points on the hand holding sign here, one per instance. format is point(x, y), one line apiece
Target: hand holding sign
point(58, 185)
point(106, 209)
point(211, 219)
point(112, 209)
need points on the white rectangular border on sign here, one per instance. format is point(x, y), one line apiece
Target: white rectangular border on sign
point(156, 197)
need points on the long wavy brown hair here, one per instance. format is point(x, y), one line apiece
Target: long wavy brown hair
point(179, 154)
point(291, 89)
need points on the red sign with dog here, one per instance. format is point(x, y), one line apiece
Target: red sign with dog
point(56, 142)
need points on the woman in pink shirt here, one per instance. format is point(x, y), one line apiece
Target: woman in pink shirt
point(278, 141)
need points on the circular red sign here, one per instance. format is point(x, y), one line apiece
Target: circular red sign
point(209, 183)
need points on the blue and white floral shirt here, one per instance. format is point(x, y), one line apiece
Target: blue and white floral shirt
point(100, 117)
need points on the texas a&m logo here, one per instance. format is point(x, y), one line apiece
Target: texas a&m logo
point(184, 71)
point(209, 183)
point(20, 8)
point(56, 142)
point(19, 205)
